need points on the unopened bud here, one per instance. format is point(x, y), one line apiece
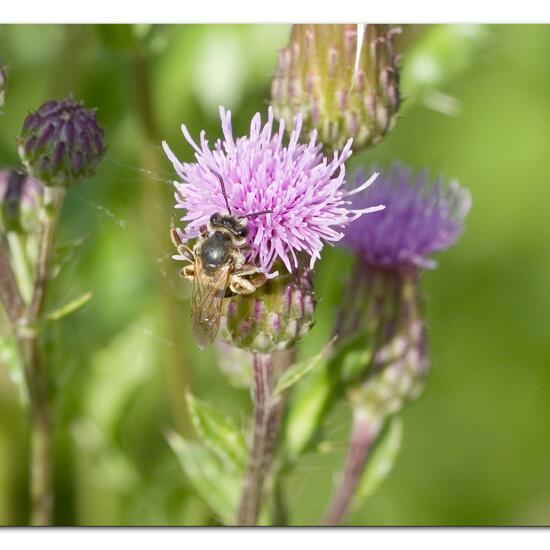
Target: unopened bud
point(61, 143)
point(275, 317)
point(395, 322)
point(342, 79)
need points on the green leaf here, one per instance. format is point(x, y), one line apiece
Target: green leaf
point(306, 413)
point(381, 461)
point(297, 371)
point(312, 402)
point(218, 433)
point(217, 485)
point(10, 357)
point(70, 307)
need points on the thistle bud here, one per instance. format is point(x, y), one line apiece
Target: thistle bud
point(20, 197)
point(275, 317)
point(400, 364)
point(342, 79)
point(61, 143)
point(3, 81)
point(392, 249)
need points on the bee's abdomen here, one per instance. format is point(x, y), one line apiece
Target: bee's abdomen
point(215, 251)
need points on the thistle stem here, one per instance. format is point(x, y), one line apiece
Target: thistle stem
point(41, 457)
point(53, 199)
point(365, 430)
point(32, 347)
point(21, 266)
point(267, 418)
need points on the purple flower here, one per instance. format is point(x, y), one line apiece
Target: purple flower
point(305, 191)
point(420, 218)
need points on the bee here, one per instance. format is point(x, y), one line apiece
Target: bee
point(218, 268)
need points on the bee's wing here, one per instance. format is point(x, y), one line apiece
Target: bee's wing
point(208, 294)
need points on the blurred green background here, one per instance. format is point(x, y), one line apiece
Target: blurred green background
point(476, 445)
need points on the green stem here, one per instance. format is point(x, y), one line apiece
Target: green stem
point(365, 430)
point(21, 264)
point(32, 347)
point(267, 419)
point(41, 448)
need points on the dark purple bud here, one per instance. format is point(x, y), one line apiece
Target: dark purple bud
point(31, 122)
point(70, 132)
point(61, 143)
point(99, 143)
point(84, 139)
point(59, 156)
point(78, 162)
point(30, 146)
point(45, 136)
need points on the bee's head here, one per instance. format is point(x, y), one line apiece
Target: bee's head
point(236, 227)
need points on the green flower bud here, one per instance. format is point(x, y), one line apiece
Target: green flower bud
point(20, 199)
point(275, 317)
point(342, 79)
point(399, 365)
point(61, 143)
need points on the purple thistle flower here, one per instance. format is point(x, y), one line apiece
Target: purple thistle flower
point(305, 191)
point(420, 218)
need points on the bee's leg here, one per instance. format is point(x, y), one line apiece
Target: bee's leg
point(186, 252)
point(188, 272)
point(240, 285)
point(203, 230)
point(247, 269)
point(250, 274)
point(175, 236)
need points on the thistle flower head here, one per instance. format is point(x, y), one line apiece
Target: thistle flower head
point(420, 219)
point(343, 79)
point(303, 190)
point(61, 143)
point(276, 317)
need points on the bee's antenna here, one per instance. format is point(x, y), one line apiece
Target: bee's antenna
point(256, 214)
point(224, 193)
